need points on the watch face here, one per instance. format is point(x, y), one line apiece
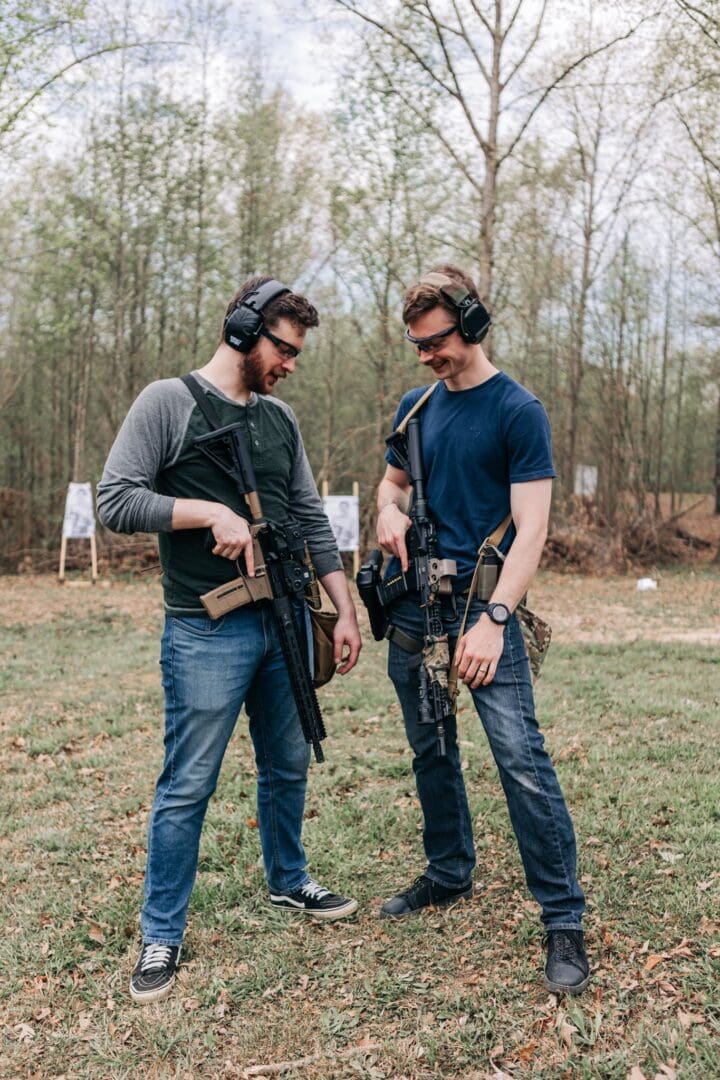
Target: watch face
point(499, 613)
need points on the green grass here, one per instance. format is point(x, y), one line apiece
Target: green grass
point(633, 729)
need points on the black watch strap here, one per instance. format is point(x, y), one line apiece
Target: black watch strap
point(500, 618)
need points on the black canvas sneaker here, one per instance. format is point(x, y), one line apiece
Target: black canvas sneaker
point(567, 970)
point(313, 899)
point(423, 893)
point(154, 973)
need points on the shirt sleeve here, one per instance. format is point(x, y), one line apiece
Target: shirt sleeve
point(529, 444)
point(147, 442)
point(307, 509)
point(406, 404)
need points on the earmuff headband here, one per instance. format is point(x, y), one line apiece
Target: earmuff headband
point(245, 321)
point(473, 315)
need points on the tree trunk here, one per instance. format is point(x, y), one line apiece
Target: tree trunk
point(717, 458)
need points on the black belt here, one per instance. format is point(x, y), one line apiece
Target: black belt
point(409, 644)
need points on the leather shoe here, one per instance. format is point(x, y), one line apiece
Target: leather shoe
point(567, 970)
point(423, 893)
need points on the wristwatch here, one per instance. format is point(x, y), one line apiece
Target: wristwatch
point(499, 613)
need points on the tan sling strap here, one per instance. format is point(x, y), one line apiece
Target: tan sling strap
point(492, 541)
point(416, 408)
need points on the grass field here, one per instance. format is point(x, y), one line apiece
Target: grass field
point(629, 701)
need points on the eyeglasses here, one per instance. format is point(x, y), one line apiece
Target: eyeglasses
point(433, 343)
point(286, 350)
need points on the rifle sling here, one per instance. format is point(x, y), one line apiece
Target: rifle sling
point(493, 541)
point(416, 408)
point(208, 410)
point(204, 404)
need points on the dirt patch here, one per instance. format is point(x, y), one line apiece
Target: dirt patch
point(35, 599)
point(603, 610)
point(684, 607)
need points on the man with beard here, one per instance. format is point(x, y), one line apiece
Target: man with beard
point(157, 480)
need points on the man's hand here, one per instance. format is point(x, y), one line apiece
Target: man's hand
point(346, 635)
point(478, 653)
point(232, 536)
point(392, 526)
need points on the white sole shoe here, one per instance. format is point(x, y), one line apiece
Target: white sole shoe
point(286, 903)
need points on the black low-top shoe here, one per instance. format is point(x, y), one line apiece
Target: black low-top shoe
point(154, 973)
point(567, 970)
point(423, 893)
point(315, 900)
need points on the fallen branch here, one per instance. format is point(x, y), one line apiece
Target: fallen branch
point(685, 510)
point(277, 1067)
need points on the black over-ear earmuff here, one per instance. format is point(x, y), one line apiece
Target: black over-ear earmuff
point(473, 317)
point(245, 321)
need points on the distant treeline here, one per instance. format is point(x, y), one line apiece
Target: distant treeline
point(575, 175)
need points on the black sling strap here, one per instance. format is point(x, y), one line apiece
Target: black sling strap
point(204, 404)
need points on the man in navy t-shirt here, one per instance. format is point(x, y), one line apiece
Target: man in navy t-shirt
point(487, 452)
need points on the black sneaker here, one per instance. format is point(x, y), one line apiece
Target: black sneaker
point(423, 893)
point(567, 970)
point(154, 973)
point(314, 900)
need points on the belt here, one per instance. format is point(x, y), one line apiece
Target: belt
point(405, 641)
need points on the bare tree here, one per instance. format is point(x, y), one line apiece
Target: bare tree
point(43, 43)
point(454, 46)
point(696, 112)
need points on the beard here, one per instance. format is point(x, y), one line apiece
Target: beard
point(253, 371)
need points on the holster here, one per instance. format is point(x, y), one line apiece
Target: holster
point(488, 572)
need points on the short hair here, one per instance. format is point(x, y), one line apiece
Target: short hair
point(288, 305)
point(423, 296)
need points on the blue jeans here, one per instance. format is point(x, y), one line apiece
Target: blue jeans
point(210, 669)
point(537, 808)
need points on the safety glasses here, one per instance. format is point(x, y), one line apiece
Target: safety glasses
point(433, 343)
point(286, 350)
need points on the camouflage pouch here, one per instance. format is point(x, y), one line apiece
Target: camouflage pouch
point(537, 635)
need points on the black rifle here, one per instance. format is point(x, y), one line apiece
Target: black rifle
point(281, 575)
point(428, 575)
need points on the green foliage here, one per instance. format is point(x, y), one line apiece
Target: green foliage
point(121, 250)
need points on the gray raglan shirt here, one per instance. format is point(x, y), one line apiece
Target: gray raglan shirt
point(154, 461)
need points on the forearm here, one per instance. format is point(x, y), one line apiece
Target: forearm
point(520, 566)
point(346, 635)
point(230, 532)
point(336, 586)
point(196, 513)
point(390, 493)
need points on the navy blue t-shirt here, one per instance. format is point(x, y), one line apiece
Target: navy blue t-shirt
point(476, 443)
